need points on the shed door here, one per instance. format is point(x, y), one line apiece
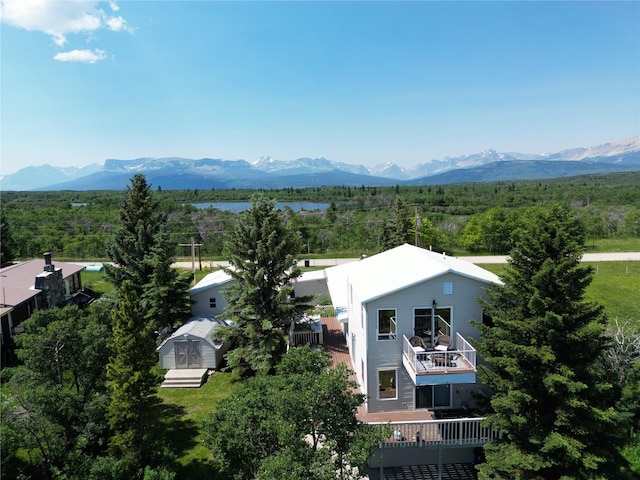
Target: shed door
point(187, 354)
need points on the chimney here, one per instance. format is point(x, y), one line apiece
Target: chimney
point(48, 267)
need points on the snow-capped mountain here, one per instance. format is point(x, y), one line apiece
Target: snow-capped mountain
point(305, 165)
point(269, 172)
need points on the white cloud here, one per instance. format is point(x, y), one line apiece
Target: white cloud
point(60, 18)
point(83, 56)
point(117, 24)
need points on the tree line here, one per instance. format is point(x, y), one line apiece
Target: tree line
point(454, 218)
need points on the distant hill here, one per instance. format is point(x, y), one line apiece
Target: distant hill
point(180, 173)
point(521, 170)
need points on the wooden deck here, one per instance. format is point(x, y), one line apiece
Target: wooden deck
point(336, 345)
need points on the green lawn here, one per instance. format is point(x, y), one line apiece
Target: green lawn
point(613, 245)
point(615, 285)
point(187, 407)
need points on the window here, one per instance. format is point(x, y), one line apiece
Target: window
point(447, 288)
point(433, 396)
point(387, 324)
point(387, 384)
point(212, 303)
point(422, 322)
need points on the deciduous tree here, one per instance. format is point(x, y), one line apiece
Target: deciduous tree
point(299, 423)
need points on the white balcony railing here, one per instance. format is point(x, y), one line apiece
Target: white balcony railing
point(307, 331)
point(461, 359)
point(452, 432)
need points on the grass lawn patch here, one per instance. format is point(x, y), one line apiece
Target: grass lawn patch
point(613, 245)
point(97, 281)
point(615, 285)
point(189, 406)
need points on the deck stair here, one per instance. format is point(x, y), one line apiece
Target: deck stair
point(185, 378)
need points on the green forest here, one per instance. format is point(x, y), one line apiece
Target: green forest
point(474, 217)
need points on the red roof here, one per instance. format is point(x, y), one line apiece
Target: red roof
point(17, 281)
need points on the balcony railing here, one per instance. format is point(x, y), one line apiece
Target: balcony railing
point(452, 432)
point(306, 331)
point(462, 358)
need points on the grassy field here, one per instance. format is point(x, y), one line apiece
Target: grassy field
point(189, 406)
point(615, 285)
point(603, 245)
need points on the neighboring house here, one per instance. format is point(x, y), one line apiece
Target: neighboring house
point(312, 283)
point(34, 285)
point(207, 296)
point(406, 314)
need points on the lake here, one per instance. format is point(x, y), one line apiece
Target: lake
point(237, 207)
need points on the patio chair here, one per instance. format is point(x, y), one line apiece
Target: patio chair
point(444, 342)
point(416, 341)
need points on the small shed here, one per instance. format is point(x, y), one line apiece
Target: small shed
point(193, 345)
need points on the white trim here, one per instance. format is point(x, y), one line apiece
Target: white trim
point(395, 387)
point(394, 322)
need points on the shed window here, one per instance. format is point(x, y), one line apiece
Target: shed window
point(387, 324)
point(212, 303)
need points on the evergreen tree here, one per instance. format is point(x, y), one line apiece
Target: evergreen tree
point(139, 222)
point(401, 226)
point(132, 381)
point(260, 249)
point(166, 299)
point(544, 351)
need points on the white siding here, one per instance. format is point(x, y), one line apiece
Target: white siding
point(387, 354)
point(200, 305)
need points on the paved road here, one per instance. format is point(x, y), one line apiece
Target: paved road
point(328, 262)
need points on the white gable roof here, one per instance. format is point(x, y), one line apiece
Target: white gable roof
point(214, 279)
point(397, 269)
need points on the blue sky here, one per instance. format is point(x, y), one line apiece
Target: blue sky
point(356, 82)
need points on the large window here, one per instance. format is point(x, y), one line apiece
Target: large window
point(387, 324)
point(387, 384)
point(433, 396)
point(422, 322)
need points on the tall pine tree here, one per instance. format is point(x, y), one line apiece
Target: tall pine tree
point(166, 299)
point(132, 381)
point(140, 220)
point(260, 249)
point(544, 353)
point(401, 226)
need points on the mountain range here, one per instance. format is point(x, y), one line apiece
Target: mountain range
point(176, 173)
